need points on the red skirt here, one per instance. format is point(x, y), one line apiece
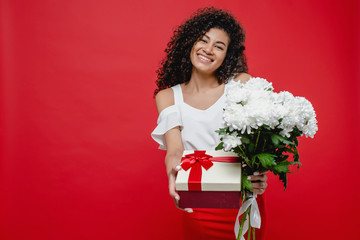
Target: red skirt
point(216, 224)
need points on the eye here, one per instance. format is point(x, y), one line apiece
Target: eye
point(219, 47)
point(203, 40)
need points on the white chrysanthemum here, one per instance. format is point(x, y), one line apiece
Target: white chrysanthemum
point(299, 113)
point(283, 97)
point(262, 109)
point(307, 118)
point(310, 128)
point(286, 104)
point(231, 141)
point(237, 94)
point(249, 109)
point(279, 112)
point(254, 104)
point(235, 116)
point(258, 84)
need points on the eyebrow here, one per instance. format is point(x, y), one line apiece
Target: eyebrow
point(216, 41)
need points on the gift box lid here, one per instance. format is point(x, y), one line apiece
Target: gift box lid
point(222, 176)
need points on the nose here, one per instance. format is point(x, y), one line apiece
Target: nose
point(208, 49)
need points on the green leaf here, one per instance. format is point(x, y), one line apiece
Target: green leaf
point(266, 127)
point(298, 165)
point(245, 182)
point(267, 160)
point(245, 139)
point(296, 155)
point(296, 142)
point(283, 178)
point(220, 146)
point(283, 157)
point(251, 147)
point(282, 168)
point(288, 150)
point(276, 139)
point(221, 131)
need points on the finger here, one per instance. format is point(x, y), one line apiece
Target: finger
point(260, 173)
point(177, 168)
point(189, 210)
point(173, 170)
point(176, 201)
point(262, 178)
point(172, 188)
point(258, 190)
point(259, 185)
point(176, 198)
point(175, 195)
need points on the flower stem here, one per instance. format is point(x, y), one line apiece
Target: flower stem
point(243, 219)
point(257, 140)
point(263, 148)
point(247, 160)
point(253, 230)
point(249, 231)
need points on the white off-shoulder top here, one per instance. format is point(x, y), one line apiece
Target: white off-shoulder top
point(197, 126)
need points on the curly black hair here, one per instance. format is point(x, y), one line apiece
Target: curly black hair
point(176, 67)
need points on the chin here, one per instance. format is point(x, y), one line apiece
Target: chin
point(199, 67)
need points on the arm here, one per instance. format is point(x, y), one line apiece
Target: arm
point(174, 145)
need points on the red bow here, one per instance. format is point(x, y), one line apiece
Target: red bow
point(195, 161)
point(198, 157)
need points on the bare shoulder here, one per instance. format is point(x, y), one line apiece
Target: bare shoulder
point(164, 99)
point(242, 77)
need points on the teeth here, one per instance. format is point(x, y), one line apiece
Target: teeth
point(205, 58)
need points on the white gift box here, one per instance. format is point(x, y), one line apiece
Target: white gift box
point(211, 185)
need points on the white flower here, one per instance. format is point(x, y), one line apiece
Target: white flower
point(254, 104)
point(258, 84)
point(307, 118)
point(283, 97)
point(231, 141)
point(237, 94)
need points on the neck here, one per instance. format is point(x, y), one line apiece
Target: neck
point(200, 81)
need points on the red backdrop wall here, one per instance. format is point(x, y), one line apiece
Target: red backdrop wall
point(77, 160)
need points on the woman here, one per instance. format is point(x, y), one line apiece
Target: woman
point(203, 55)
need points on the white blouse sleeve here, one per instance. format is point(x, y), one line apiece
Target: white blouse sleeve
point(169, 118)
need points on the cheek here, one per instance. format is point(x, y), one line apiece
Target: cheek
point(192, 56)
point(222, 58)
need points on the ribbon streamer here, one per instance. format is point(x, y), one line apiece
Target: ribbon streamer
point(255, 219)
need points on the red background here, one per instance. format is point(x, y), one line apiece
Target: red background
point(77, 77)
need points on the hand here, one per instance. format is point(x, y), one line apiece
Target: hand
point(172, 189)
point(258, 182)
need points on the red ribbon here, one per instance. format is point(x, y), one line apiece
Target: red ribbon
point(195, 161)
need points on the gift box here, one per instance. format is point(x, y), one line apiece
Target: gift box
point(209, 179)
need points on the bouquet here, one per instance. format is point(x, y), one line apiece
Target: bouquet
point(263, 127)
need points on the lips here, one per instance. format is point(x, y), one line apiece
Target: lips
point(204, 59)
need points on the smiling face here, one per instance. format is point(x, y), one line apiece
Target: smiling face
point(209, 52)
